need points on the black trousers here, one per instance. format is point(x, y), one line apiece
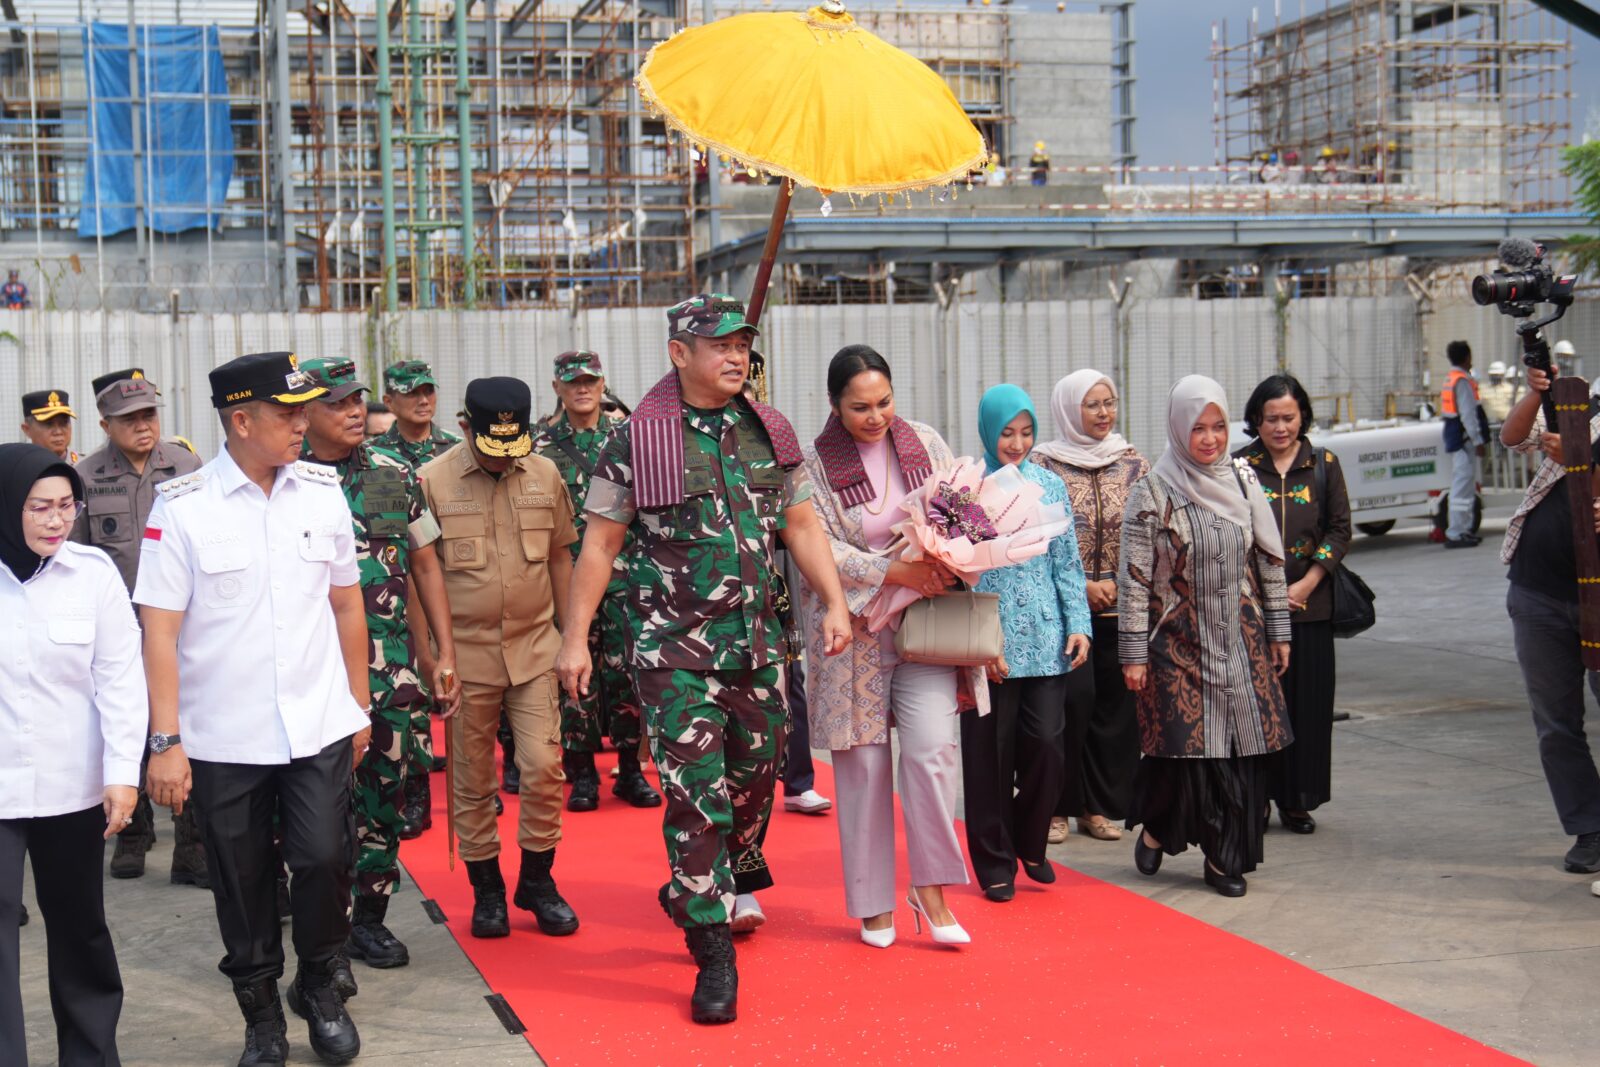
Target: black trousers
point(85, 985)
point(311, 799)
point(1011, 769)
point(1100, 782)
point(799, 773)
point(1302, 779)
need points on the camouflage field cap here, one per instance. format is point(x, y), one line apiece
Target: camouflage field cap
point(708, 315)
point(337, 376)
point(570, 366)
point(125, 391)
point(408, 375)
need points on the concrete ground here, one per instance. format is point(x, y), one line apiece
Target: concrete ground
point(1433, 881)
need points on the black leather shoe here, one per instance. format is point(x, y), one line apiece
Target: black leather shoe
point(312, 997)
point(1043, 873)
point(537, 892)
point(340, 976)
point(266, 1035)
point(716, 987)
point(488, 899)
point(499, 806)
point(585, 795)
point(1000, 893)
point(1297, 824)
point(1228, 885)
point(631, 784)
point(1584, 855)
point(371, 942)
point(1147, 859)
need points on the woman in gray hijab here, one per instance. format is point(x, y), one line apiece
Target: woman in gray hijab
point(1203, 634)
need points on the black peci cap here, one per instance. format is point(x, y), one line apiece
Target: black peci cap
point(273, 376)
point(499, 410)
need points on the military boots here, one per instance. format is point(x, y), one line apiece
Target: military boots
point(188, 852)
point(266, 1034)
point(537, 892)
point(488, 899)
point(631, 784)
point(312, 997)
point(370, 940)
point(127, 860)
point(417, 813)
point(585, 781)
point(716, 988)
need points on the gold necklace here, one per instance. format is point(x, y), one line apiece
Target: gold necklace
point(888, 458)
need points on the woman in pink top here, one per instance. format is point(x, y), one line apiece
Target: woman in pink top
point(861, 465)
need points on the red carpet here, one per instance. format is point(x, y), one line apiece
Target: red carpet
point(1142, 984)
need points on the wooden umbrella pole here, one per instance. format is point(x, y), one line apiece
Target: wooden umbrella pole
point(769, 253)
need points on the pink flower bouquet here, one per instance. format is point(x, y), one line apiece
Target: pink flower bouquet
point(970, 522)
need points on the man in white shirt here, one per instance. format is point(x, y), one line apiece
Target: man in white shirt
point(255, 643)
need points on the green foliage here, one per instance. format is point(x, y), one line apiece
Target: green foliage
point(1582, 163)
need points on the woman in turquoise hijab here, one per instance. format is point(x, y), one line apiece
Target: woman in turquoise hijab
point(1025, 746)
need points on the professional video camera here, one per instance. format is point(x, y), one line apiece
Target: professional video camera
point(1523, 282)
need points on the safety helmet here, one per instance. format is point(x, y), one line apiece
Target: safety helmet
point(1327, 151)
point(1497, 369)
point(1564, 348)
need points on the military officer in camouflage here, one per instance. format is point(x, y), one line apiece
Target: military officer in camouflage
point(395, 534)
point(706, 482)
point(573, 442)
point(411, 393)
point(121, 481)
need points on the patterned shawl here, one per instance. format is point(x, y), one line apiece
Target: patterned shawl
point(656, 432)
point(847, 477)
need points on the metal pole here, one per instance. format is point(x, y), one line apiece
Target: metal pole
point(496, 225)
point(281, 130)
point(708, 14)
point(33, 119)
point(385, 94)
point(422, 289)
point(135, 128)
point(469, 261)
point(99, 175)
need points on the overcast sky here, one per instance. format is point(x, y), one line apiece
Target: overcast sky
point(1173, 64)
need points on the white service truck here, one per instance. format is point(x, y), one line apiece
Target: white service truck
point(1393, 468)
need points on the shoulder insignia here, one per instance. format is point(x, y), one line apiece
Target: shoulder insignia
point(316, 473)
point(1329, 457)
point(176, 487)
point(183, 442)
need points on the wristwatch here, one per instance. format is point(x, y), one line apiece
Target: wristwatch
point(159, 743)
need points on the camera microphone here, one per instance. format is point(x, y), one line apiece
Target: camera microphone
point(1516, 253)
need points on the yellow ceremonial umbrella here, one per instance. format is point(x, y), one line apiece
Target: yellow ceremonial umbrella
point(815, 99)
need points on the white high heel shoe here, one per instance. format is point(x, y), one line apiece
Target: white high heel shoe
point(944, 935)
point(878, 938)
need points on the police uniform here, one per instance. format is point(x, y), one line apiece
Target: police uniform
point(119, 500)
point(391, 522)
point(42, 405)
point(406, 377)
point(265, 708)
point(703, 492)
point(503, 535)
point(610, 708)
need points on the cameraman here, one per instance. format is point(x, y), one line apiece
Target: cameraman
point(1543, 605)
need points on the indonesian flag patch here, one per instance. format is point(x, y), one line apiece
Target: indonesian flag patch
point(152, 533)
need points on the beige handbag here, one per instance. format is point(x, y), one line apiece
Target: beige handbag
point(959, 629)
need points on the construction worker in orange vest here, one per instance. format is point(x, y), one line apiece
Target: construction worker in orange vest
point(1466, 429)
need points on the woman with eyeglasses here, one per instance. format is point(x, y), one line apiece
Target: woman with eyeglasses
point(73, 711)
point(1099, 468)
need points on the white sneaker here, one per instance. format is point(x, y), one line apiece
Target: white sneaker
point(810, 802)
point(1594, 887)
point(747, 913)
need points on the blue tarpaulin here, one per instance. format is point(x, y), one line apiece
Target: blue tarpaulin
point(185, 168)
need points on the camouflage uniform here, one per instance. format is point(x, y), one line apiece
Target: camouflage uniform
point(403, 378)
point(708, 648)
point(611, 708)
point(391, 521)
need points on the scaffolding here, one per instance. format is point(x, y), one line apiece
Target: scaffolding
point(1456, 106)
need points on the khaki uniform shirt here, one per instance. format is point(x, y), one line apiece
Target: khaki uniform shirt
point(120, 499)
point(498, 534)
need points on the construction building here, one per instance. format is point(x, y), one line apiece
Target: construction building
point(308, 154)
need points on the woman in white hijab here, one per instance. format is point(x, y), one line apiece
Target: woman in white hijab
point(1099, 468)
point(1203, 634)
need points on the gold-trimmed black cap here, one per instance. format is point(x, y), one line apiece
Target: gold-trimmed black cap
point(272, 376)
point(46, 404)
point(499, 411)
